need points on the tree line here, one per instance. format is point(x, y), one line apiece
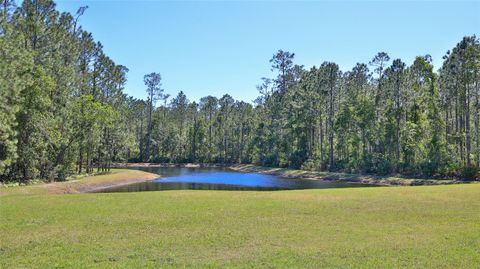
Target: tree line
point(62, 105)
point(64, 111)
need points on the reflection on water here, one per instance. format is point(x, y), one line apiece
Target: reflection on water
point(174, 178)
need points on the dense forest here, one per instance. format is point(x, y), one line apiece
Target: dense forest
point(63, 110)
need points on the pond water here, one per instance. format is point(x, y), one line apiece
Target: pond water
point(174, 178)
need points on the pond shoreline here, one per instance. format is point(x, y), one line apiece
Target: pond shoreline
point(187, 165)
point(87, 184)
point(124, 179)
point(97, 183)
point(339, 177)
point(390, 180)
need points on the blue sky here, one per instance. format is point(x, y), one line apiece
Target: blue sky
point(217, 47)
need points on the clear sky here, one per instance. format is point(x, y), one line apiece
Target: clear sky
point(217, 47)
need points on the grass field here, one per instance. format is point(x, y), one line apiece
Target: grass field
point(384, 227)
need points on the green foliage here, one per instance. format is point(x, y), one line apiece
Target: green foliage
point(15, 64)
point(35, 125)
point(377, 164)
point(63, 110)
point(61, 99)
point(469, 172)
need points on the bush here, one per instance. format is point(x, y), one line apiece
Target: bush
point(297, 158)
point(311, 165)
point(469, 172)
point(378, 164)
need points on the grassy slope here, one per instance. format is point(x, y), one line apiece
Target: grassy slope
point(89, 183)
point(403, 227)
point(371, 179)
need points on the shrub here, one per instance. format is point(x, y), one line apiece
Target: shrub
point(310, 165)
point(378, 164)
point(469, 172)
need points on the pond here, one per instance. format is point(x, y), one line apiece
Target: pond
point(174, 178)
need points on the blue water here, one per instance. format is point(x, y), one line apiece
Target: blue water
point(173, 178)
point(232, 178)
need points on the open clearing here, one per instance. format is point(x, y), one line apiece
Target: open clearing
point(407, 227)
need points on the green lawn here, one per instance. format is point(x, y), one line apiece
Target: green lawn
point(384, 227)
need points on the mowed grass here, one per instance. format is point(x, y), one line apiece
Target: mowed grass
point(384, 227)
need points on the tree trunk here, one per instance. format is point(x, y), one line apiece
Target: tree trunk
point(80, 159)
point(330, 134)
point(477, 123)
point(241, 144)
point(467, 124)
point(398, 116)
point(149, 131)
point(210, 136)
point(446, 124)
point(141, 138)
point(321, 143)
point(194, 140)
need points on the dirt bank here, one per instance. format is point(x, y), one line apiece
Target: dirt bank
point(342, 177)
point(82, 184)
point(117, 177)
